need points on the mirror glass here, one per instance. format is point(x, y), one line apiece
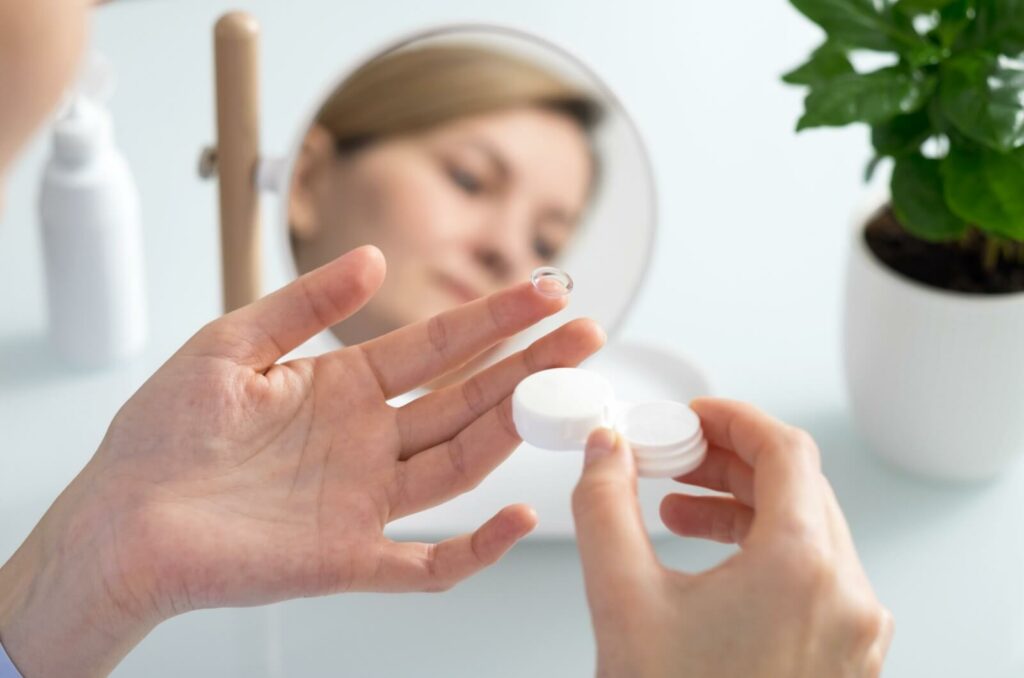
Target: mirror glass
point(471, 157)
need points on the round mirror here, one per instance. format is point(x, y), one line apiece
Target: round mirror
point(471, 157)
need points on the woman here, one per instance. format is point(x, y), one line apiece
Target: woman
point(467, 166)
point(231, 479)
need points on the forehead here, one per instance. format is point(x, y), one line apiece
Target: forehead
point(542, 148)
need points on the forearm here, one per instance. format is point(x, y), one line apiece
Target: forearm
point(62, 611)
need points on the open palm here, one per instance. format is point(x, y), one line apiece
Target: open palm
point(235, 480)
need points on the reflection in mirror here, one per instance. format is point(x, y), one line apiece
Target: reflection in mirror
point(470, 162)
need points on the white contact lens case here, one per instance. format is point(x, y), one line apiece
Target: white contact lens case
point(558, 410)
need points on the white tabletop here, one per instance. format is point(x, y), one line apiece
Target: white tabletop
point(747, 279)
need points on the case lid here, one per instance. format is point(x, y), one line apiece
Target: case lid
point(558, 409)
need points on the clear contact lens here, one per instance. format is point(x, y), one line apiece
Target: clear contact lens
point(551, 282)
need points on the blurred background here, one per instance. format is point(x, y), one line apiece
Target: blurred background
point(754, 225)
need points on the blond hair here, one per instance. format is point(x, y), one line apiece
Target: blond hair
point(413, 89)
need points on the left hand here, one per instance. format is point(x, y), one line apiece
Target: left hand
point(793, 601)
point(231, 479)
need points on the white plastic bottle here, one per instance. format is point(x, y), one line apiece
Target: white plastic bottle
point(92, 241)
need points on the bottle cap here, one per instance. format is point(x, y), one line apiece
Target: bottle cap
point(82, 131)
point(83, 126)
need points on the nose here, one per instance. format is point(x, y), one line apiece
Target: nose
point(504, 243)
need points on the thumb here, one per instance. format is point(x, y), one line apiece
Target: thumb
point(613, 544)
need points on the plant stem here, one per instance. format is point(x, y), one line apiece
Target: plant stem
point(1009, 250)
point(990, 259)
point(966, 238)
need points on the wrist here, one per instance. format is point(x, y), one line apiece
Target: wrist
point(64, 610)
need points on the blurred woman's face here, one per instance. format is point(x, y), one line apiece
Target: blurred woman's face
point(460, 210)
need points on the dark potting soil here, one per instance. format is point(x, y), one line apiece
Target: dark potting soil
point(956, 266)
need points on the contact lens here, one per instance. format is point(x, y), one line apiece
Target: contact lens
point(551, 282)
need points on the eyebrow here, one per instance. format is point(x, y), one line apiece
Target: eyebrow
point(494, 155)
point(559, 216)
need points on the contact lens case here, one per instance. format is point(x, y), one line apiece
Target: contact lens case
point(558, 409)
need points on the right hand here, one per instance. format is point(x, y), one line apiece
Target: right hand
point(232, 478)
point(794, 601)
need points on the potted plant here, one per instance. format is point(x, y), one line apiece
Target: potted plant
point(934, 316)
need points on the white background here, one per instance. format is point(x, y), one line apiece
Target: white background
point(747, 278)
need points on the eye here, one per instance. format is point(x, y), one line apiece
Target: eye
point(544, 249)
point(467, 181)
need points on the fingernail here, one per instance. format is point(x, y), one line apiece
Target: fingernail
point(601, 443)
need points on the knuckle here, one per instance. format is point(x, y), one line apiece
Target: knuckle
point(817, 563)
point(866, 625)
point(800, 533)
point(879, 649)
point(723, 527)
point(437, 579)
point(808, 568)
point(873, 665)
point(888, 625)
point(803, 443)
point(483, 556)
point(322, 307)
point(506, 420)
point(530, 360)
point(457, 459)
point(437, 332)
point(474, 396)
point(496, 312)
point(867, 631)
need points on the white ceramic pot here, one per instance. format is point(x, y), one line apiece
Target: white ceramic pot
point(935, 378)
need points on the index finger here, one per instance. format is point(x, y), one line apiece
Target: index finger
point(785, 461)
point(259, 334)
point(414, 355)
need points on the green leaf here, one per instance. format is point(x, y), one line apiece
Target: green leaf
point(918, 200)
point(982, 94)
point(987, 189)
point(825, 63)
point(925, 55)
point(946, 19)
point(923, 52)
point(922, 6)
point(998, 26)
point(953, 19)
point(902, 135)
point(859, 23)
point(872, 98)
